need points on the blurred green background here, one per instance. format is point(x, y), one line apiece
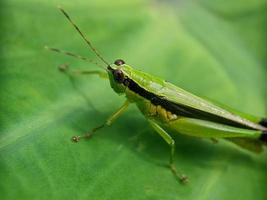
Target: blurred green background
point(213, 48)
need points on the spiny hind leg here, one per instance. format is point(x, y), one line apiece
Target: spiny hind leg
point(108, 122)
point(245, 138)
point(207, 129)
point(182, 178)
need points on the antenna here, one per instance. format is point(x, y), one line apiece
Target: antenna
point(83, 36)
point(74, 55)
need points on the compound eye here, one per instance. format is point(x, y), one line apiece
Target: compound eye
point(119, 62)
point(118, 76)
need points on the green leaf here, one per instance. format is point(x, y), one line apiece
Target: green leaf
point(215, 49)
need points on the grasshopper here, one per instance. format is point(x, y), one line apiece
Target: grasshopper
point(168, 107)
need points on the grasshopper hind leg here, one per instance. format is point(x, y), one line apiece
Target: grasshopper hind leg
point(181, 177)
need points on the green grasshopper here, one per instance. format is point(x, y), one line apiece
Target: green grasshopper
point(168, 107)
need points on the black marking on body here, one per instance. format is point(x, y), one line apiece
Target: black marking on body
point(263, 122)
point(178, 109)
point(263, 136)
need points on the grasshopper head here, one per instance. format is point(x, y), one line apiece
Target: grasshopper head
point(117, 77)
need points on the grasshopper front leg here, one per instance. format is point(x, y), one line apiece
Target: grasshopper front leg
point(182, 178)
point(65, 69)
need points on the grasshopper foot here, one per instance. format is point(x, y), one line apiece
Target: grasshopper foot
point(181, 177)
point(77, 138)
point(63, 67)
